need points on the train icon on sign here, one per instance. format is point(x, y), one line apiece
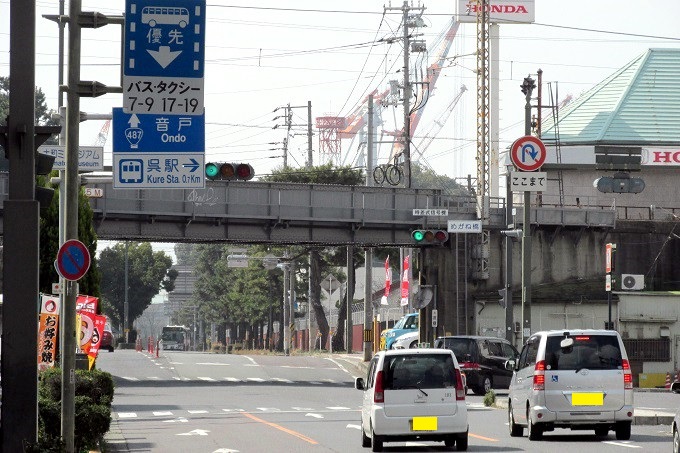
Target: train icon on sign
point(155, 15)
point(131, 171)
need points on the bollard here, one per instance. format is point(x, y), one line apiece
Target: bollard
point(158, 347)
point(668, 380)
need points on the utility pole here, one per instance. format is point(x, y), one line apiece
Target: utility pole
point(310, 153)
point(350, 296)
point(406, 22)
point(527, 88)
point(368, 254)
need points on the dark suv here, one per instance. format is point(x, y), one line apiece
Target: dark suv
point(482, 359)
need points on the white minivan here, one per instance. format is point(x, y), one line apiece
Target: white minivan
point(413, 394)
point(577, 379)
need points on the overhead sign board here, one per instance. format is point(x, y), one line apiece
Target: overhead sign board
point(464, 226)
point(500, 11)
point(164, 56)
point(158, 151)
point(90, 158)
point(528, 153)
point(528, 181)
point(431, 212)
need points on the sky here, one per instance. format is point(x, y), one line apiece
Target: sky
point(265, 54)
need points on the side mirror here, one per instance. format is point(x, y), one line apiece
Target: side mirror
point(510, 365)
point(359, 383)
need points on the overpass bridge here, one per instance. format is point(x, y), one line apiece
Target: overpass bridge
point(288, 213)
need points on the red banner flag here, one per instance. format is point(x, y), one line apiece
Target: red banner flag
point(404, 281)
point(388, 281)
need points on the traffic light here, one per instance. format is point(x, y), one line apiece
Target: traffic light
point(227, 171)
point(503, 301)
point(429, 237)
point(619, 183)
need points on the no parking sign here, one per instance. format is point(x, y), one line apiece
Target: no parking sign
point(73, 260)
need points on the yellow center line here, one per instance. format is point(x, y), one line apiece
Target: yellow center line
point(476, 436)
point(281, 428)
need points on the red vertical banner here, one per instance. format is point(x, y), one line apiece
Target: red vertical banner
point(86, 303)
point(388, 282)
point(95, 341)
point(48, 331)
point(404, 281)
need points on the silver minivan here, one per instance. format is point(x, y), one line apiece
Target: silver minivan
point(413, 394)
point(577, 379)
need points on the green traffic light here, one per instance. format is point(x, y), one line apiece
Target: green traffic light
point(211, 170)
point(418, 235)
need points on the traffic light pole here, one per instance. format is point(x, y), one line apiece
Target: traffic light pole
point(21, 241)
point(527, 88)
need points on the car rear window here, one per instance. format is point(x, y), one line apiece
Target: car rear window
point(595, 352)
point(419, 371)
point(465, 349)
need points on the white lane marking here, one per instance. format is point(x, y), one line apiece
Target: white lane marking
point(196, 432)
point(255, 379)
point(268, 409)
point(127, 415)
point(315, 382)
point(337, 408)
point(203, 378)
point(213, 363)
point(314, 415)
point(234, 410)
point(232, 379)
point(154, 378)
point(251, 360)
point(338, 364)
point(302, 408)
point(298, 367)
point(353, 426)
point(162, 413)
point(225, 450)
point(177, 420)
point(130, 378)
point(176, 378)
point(622, 443)
point(198, 412)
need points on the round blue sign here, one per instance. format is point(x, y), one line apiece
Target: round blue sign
point(73, 260)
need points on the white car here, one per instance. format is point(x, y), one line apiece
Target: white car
point(578, 379)
point(406, 341)
point(413, 394)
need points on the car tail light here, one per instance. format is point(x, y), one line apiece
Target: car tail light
point(460, 387)
point(627, 375)
point(539, 375)
point(470, 366)
point(379, 392)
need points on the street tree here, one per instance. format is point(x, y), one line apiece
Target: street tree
point(147, 273)
point(320, 259)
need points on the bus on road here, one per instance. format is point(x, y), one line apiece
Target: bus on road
point(175, 338)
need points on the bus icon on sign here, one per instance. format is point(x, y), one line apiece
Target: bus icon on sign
point(154, 15)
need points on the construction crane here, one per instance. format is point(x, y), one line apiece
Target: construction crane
point(437, 124)
point(103, 134)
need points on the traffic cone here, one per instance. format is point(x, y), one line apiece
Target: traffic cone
point(668, 380)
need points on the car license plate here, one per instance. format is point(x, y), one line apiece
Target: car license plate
point(587, 399)
point(424, 424)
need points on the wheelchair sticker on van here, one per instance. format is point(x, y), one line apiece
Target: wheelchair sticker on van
point(555, 378)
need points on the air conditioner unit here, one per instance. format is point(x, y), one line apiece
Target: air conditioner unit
point(632, 281)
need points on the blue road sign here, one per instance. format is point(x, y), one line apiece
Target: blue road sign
point(73, 260)
point(140, 133)
point(164, 56)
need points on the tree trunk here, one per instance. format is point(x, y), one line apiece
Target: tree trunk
point(315, 295)
point(339, 335)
